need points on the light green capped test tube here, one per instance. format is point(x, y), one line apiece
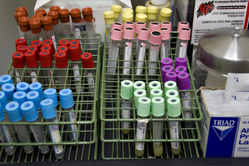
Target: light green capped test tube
point(170, 85)
point(126, 93)
point(158, 111)
point(143, 111)
point(174, 111)
point(137, 94)
point(154, 85)
point(139, 85)
point(156, 93)
point(171, 93)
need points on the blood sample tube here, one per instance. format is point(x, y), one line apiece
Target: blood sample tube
point(139, 85)
point(182, 24)
point(137, 94)
point(171, 76)
point(48, 29)
point(25, 29)
point(181, 61)
point(165, 14)
point(22, 9)
point(117, 11)
point(64, 42)
point(141, 10)
point(18, 64)
point(17, 15)
point(117, 25)
point(78, 27)
point(5, 79)
point(165, 45)
point(55, 8)
point(50, 43)
point(64, 49)
point(165, 69)
point(127, 17)
point(38, 44)
point(154, 26)
point(33, 48)
point(141, 18)
point(21, 48)
point(31, 63)
point(41, 11)
point(137, 28)
point(166, 61)
point(154, 85)
point(182, 42)
point(37, 16)
point(20, 42)
point(166, 24)
point(35, 25)
point(180, 69)
point(55, 18)
point(109, 19)
point(65, 23)
point(151, 14)
point(23, 87)
point(61, 72)
point(129, 24)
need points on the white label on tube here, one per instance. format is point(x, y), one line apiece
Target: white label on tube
point(183, 49)
point(141, 132)
point(54, 42)
point(41, 39)
point(21, 35)
point(126, 113)
point(186, 104)
point(90, 81)
point(33, 75)
point(76, 74)
point(55, 134)
point(163, 51)
point(127, 57)
point(142, 51)
point(18, 80)
point(77, 33)
point(52, 80)
point(7, 135)
point(73, 127)
point(174, 134)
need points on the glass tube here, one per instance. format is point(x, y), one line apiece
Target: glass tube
point(127, 56)
point(165, 48)
point(140, 56)
point(113, 55)
point(126, 113)
point(153, 58)
point(70, 117)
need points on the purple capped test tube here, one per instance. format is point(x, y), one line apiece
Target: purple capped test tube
point(180, 69)
point(171, 76)
point(166, 61)
point(165, 69)
point(181, 61)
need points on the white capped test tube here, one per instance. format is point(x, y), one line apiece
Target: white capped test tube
point(116, 37)
point(165, 45)
point(174, 111)
point(67, 103)
point(143, 112)
point(117, 12)
point(128, 42)
point(5, 136)
point(182, 42)
point(158, 111)
point(50, 115)
point(143, 36)
point(109, 20)
point(155, 42)
point(126, 94)
point(15, 115)
point(30, 114)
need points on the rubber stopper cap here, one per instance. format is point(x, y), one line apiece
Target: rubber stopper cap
point(173, 107)
point(21, 42)
point(143, 108)
point(51, 94)
point(45, 59)
point(9, 90)
point(48, 109)
point(154, 85)
point(66, 98)
point(18, 60)
point(75, 42)
point(4, 79)
point(13, 111)
point(64, 42)
point(50, 43)
point(87, 60)
point(31, 60)
point(23, 87)
point(126, 89)
point(29, 111)
point(64, 49)
point(139, 85)
point(38, 44)
point(75, 52)
point(19, 97)
point(158, 106)
point(35, 49)
point(21, 48)
point(61, 60)
point(137, 94)
point(48, 48)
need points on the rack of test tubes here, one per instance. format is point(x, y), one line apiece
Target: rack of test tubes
point(149, 106)
point(52, 86)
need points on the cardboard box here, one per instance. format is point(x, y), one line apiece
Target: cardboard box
point(98, 6)
point(223, 136)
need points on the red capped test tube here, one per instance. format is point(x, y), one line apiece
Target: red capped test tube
point(31, 62)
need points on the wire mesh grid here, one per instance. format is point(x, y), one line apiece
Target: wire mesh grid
point(85, 105)
point(115, 144)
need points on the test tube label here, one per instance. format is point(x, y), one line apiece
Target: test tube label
point(76, 74)
point(54, 42)
point(141, 132)
point(90, 81)
point(183, 49)
point(41, 39)
point(7, 135)
point(73, 127)
point(55, 134)
point(33, 75)
point(185, 103)
point(174, 134)
point(126, 113)
point(77, 33)
point(18, 80)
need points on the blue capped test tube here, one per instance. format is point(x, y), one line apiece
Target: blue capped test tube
point(5, 79)
point(19, 97)
point(22, 86)
point(9, 90)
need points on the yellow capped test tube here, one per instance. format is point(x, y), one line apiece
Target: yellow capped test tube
point(165, 14)
point(141, 10)
point(127, 10)
point(117, 11)
point(151, 14)
point(141, 17)
point(127, 17)
point(109, 19)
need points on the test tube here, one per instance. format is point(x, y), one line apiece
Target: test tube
point(41, 11)
point(180, 69)
point(38, 44)
point(126, 94)
point(90, 28)
point(22, 9)
point(165, 45)
point(165, 69)
point(20, 42)
point(155, 42)
point(127, 17)
point(141, 10)
point(154, 85)
point(182, 24)
point(46, 62)
point(170, 85)
point(67, 103)
point(55, 8)
point(143, 36)
point(49, 42)
point(23, 87)
point(31, 63)
point(127, 10)
point(158, 111)
point(19, 97)
point(75, 53)
point(165, 14)
point(137, 94)
point(171, 76)
point(25, 29)
point(17, 15)
point(137, 28)
point(51, 93)
point(30, 114)
point(9, 90)
point(47, 24)
point(139, 85)
point(117, 25)
point(154, 26)
point(88, 65)
point(128, 42)
point(18, 63)
point(174, 111)
point(34, 48)
point(49, 49)
point(35, 25)
point(171, 93)
point(182, 42)
point(156, 93)
point(143, 112)
point(63, 49)
point(10, 128)
point(141, 18)
point(109, 19)
point(117, 10)
point(151, 14)
point(77, 24)
point(129, 24)
point(166, 61)
point(15, 115)
point(35, 98)
point(61, 64)
point(55, 18)
point(5, 136)
point(50, 115)
point(116, 37)
point(181, 62)
point(64, 42)
point(4, 79)
point(166, 24)
point(183, 83)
